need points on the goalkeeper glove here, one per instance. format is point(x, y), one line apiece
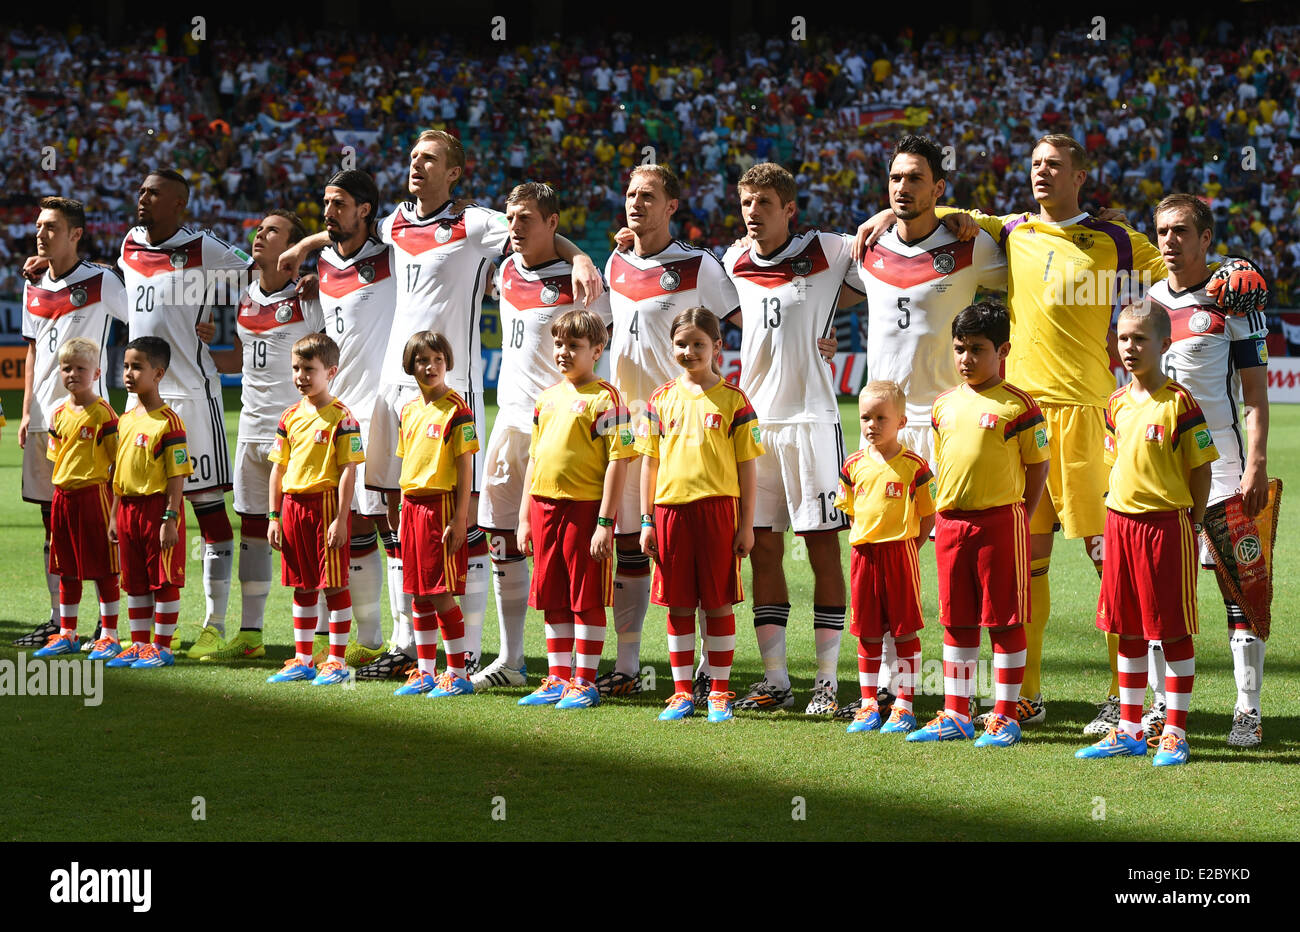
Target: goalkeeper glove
point(1238, 287)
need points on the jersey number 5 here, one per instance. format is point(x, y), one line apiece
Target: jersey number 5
point(906, 320)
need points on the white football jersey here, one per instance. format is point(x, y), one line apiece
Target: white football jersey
point(442, 264)
point(172, 286)
point(531, 300)
point(84, 303)
point(787, 302)
point(646, 293)
point(268, 326)
point(1209, 349)
point(357, 297)
point(914, 290)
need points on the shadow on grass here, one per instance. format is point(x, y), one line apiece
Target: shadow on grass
point(273, 763)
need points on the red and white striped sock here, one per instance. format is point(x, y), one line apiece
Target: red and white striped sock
point(1180, 671)
point(909, 663)
point(961, 652)
point(452, 625)
point(869, 654)
point(720, 645)
point(1008, 668)
point(559, 643)
point(110, 600)
point(166, 609)
point(1133, 664)
point(139, 615)
point(681, 651)
point(340, 608)
point(424, 620)
point(304, 622)
point(69, 603)
point(588, 643)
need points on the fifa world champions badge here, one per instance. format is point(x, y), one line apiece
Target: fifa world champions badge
point(1243, 553)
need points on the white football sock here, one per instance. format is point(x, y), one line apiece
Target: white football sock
point(218, 562)
point(366, 583)
point(1247, 669)
point(510, 586)
point(631, 601)
point(473, 604)
point(1156, 670)
point(254, 581)
point(769, 629)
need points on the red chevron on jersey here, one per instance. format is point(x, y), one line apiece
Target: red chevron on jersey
point(260, 318)
point(909, 271)
point(150, 260)
point(54, 304)
point(416, 238)
point(809, 262)
point(528, 295)
point(336, 282)
point(639, 284)
point(1195, 320)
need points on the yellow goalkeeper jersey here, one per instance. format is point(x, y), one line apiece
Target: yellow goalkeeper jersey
point(1063, 282)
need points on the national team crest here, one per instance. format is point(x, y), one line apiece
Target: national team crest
point(178, 260)
point(1200, 322)
point(433, 431)
point(142, 440)
point(86, 432)
point(642, 429)
point(366, 272)
point(713, 420)
point(283, 313)
point(1110, 444)
point(1156, 433)
point(443, 233)
point(322, 436)
point(578, 406)
point(669, 280)
point(988, 421)
point(943, 263)
point(1083, 240)
point(801, 266)
point(550, 294)
point(893, 490)
point(78, 296)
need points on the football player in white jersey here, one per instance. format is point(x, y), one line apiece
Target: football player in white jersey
point(918, 277)
point(650, 283)
point(535, 285)
point(73, 298)
point(1219, 358)
point(442, 254)
point(174, 275)
point(789, 287)
point(272, 316)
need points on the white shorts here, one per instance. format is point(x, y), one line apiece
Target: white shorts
point(502, 488)
point(384, 466)
point(38, 470)
point(1225, 475)
point(253, 478)
point(920, 440)
point(205, 435)
point(798, 477)
point(629, 506)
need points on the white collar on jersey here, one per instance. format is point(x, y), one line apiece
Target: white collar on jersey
point(1064, 223)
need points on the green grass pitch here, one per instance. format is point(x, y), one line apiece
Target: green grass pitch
point(293, 762)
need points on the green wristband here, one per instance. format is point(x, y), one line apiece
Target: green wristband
point(169, 515)
point(605, 522)
point(273, 516)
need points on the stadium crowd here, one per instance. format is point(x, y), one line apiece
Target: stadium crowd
point(260, 122)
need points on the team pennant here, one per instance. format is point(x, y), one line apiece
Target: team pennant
point(1243, 552)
